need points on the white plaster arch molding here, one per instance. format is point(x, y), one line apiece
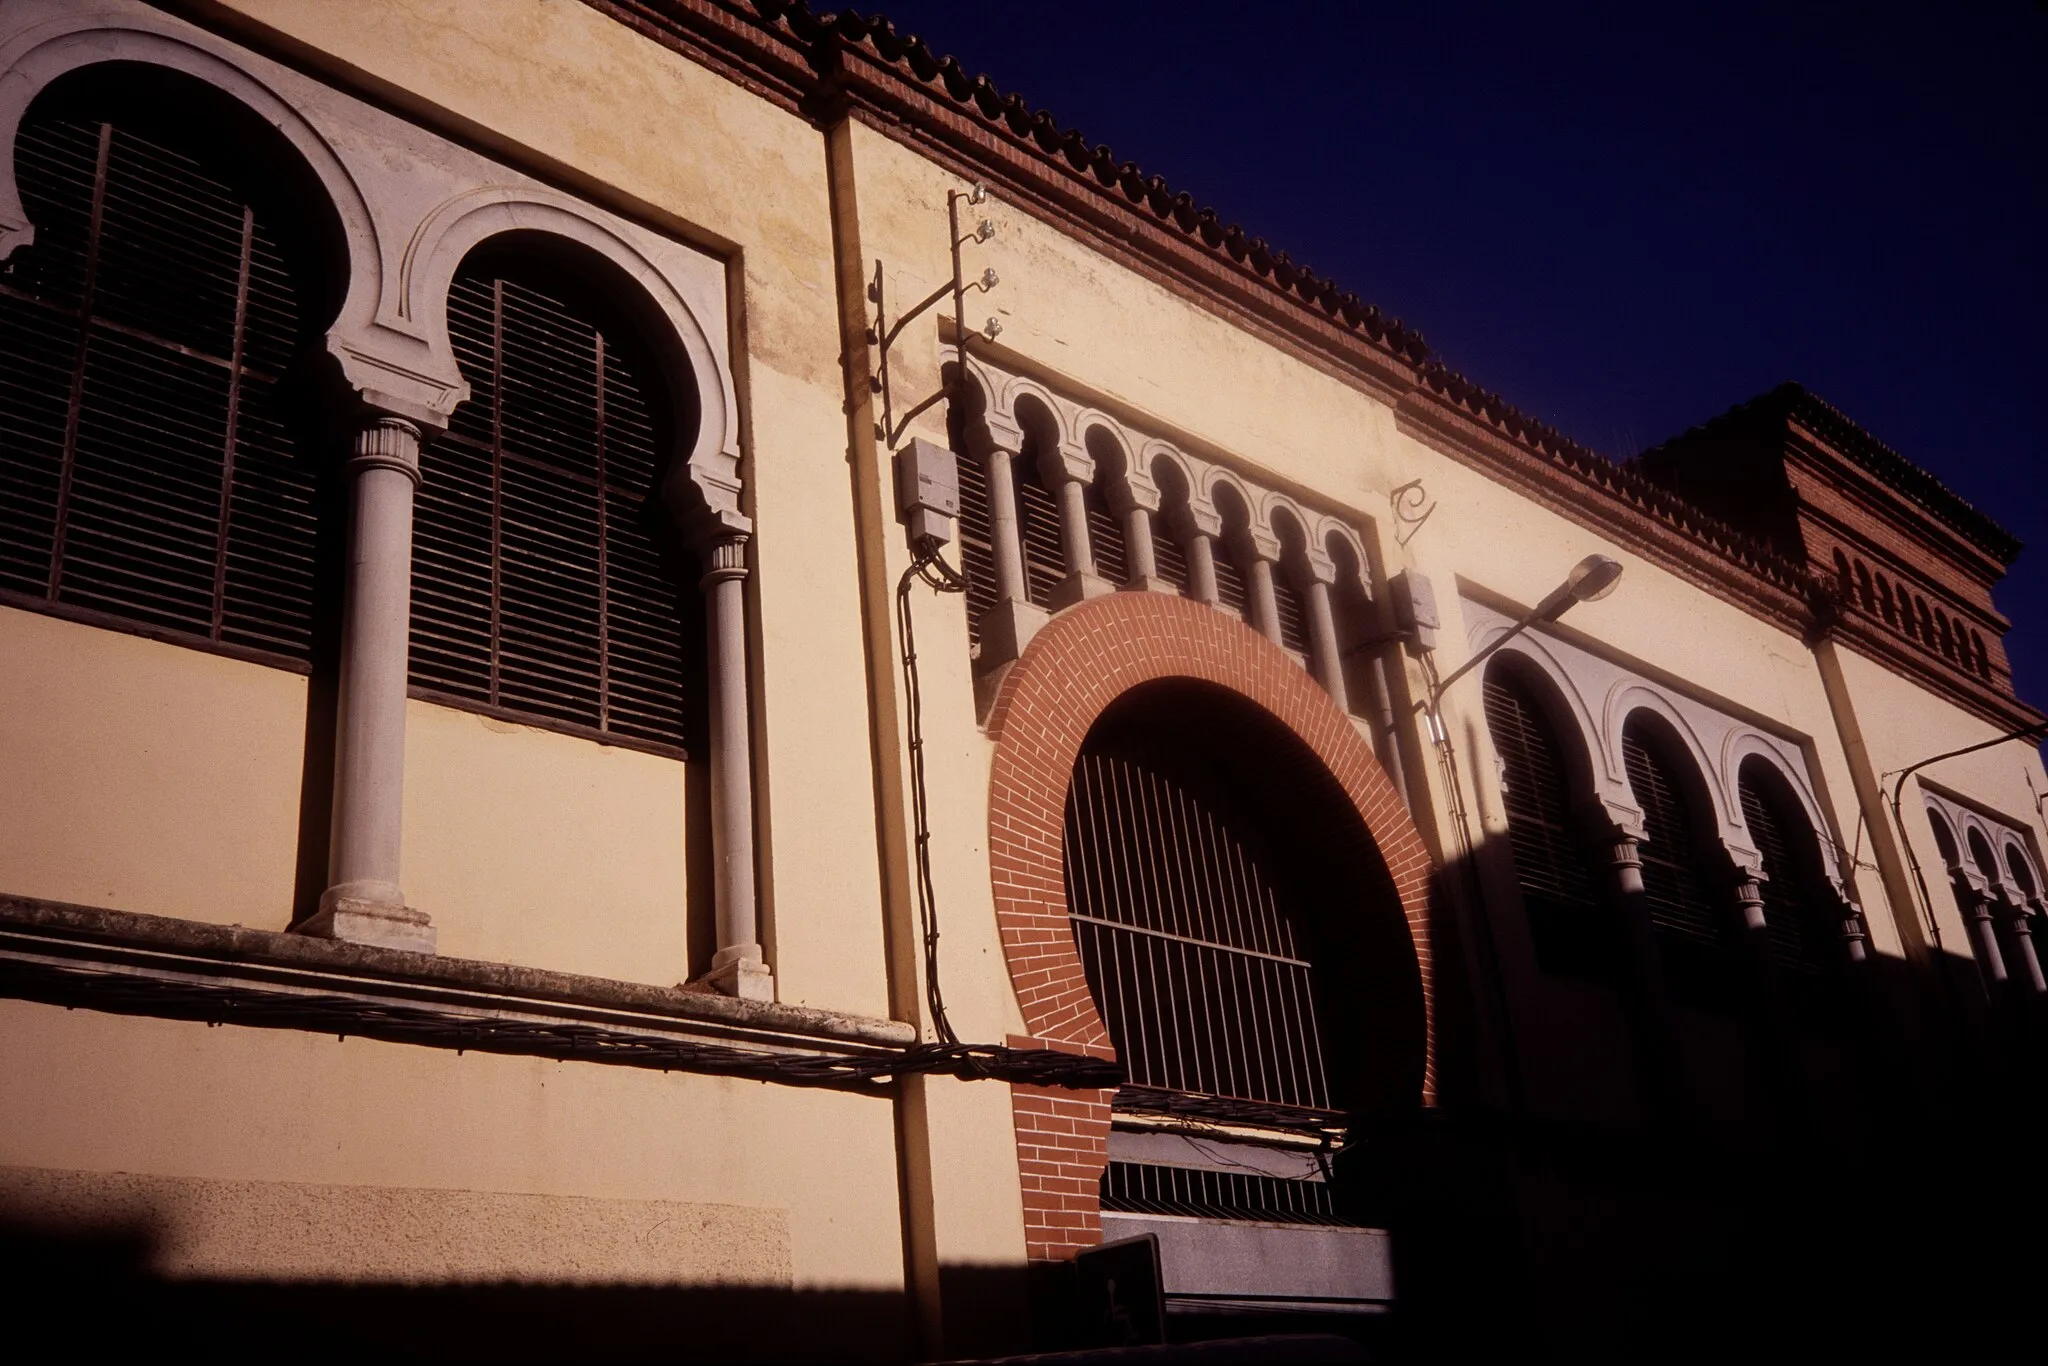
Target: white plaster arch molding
point(1132, 486)
point(1631, 696)
point(416, 301)
point(1327, 527)
point(1264, 543)
point(1535, 653)
point(1150, 453)
point(1316, 560)
point(58, 39)
point(1746, 742)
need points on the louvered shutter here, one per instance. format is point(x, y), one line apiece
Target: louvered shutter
point(1170, 557)
point(538, 586)
point(147, 475)
point(977, 544)
point(1688, 920)
point(1106, 538)
point(1804, 929)
point(1038, 518)
point(1293, 611)
point(1570, 922)
point(1230, 588)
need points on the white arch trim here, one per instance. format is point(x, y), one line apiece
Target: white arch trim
point(78, 38)
point(417, 303)
point(1744, 743)
point(1628, 697)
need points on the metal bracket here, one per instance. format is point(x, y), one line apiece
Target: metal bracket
point(882, 333)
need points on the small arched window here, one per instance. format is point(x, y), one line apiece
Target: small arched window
point(1232, 586)
point(1980, 655)
point(1167, 552)
point(2020, 871)
point(1842, 576)
point(1569, 920)
point(1863, 592)
point(543, 583)
point(1685, 911)
point(151, 474)
point(1038, 512)
point(1802, 914)
point(1884, 601)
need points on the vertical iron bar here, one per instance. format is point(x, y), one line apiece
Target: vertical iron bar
point(604, 596)
point(227, 457)
point(497, 478)
point(75, 410)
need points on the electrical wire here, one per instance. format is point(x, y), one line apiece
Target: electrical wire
point(927, 566)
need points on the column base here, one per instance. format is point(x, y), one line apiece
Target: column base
point(738, 971)
point(1007, 628)
point(1078, 588)
point(379, 924)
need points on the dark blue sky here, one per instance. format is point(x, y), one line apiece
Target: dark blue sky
point(1624, 218)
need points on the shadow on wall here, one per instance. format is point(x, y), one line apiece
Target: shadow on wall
point(1907, 1225)
point(92, 1295)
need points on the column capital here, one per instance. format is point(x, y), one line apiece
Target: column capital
point(386, 442)
point(725, 557)
point(1068, 462)
point(1192, 519)
point(1262, 544)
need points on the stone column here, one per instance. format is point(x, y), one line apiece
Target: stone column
point(1264, 605)
point(1136, 501)
point(1975, 904)
point(1067, 470)
point(1324, 656)
point(2029, 965)
point(1664, 1085)
point(737, 968)
point(363, 903)
point(1007, 627)
point(1198, 529)
point(1771, 1044)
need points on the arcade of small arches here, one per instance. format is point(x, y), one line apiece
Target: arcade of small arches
point(1907, 613)
point(1616, 789)
point(388, 257)
point(1997, 887)
point(1062, 502)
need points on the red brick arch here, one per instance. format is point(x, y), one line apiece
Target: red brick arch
point(1082, 661)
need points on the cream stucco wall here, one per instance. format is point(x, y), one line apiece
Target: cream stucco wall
point(546, 850)
point(787, 1185)
point(562, 89)
point(145, 776)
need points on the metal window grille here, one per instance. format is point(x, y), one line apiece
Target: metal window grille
point(1146, 1188)
point(1190, 956)
point(1293, 609)
point(1797, 909)
point(538, 586)
point(977, 544)
point(1682, 908)
point(1569, 920)
point(147, 476)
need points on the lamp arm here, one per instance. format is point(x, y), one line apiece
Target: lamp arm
point(1436, 694)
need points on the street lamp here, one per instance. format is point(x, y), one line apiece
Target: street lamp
point(1591, 579)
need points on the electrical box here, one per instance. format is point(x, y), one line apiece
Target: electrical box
point(927, 490)
point(1415, 609)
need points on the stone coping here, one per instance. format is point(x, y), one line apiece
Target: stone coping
point(135, 941)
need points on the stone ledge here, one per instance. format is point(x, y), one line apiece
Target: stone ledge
point(55, 932)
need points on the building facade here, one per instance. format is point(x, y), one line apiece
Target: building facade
point(678, 682)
